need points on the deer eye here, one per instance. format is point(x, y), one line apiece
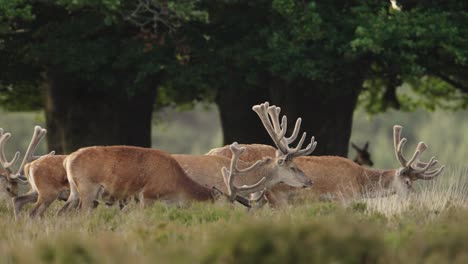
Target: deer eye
point(281, 162)
point(408, 182)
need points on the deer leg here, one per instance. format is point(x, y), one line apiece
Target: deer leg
point(88, 194)
point(43, 202)
point(73, 200)
point(20, 201)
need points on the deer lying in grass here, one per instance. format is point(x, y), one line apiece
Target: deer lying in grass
point(342, 177)
point(207, 169)
point(363, 156)
point(125, 171)
point(345, 178)
point(254, 151)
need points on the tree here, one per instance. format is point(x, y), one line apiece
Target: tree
point(318, 59)
point(95, 64)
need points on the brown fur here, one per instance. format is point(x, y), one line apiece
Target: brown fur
point(206, 170)
point(48, 180)
point(7, 185)
point(252, 152)
point(363, 157)
point(125, 171)
point(333, 175)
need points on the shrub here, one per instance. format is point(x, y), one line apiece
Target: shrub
point(332, 241)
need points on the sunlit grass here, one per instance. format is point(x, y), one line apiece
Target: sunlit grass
point(424, 227)
point(449, 191)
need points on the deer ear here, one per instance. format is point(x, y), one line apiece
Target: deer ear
point(366, 145)
point(354, 146)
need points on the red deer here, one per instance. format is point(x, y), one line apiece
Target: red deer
point(363, 156)
point(278, 168)
point(15, 178)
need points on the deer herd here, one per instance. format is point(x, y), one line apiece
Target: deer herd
point(250, 174)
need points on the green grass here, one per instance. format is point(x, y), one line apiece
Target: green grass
point(426, 227)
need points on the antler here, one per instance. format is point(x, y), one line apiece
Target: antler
point(269, 115)
point(37, 137)
point(229, 175)
point(414, 165)
point(5, 164)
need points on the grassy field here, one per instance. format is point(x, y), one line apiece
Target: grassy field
point(426, 227)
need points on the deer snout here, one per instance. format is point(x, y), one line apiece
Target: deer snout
point(308, 183)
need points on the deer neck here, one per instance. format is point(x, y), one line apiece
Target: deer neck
point(249, 178)
point(191, 188)
point(372, 180)
point(196, 191)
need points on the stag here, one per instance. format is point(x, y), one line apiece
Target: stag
point(342, 177)
point(13, 179)
point(45, 175)
point(363, 156)
point(208, 169)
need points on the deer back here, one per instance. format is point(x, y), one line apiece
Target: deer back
point(206, 170)
point(47, 174)
point(124, 171)
point(252, 153)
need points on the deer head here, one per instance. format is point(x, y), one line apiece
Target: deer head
point(233, 171)
point(363, 156)
point(412, 169)
point(287, 171)
point(15, 178)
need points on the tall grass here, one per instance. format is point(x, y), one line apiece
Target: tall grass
point(448, 192)
point(317, 232)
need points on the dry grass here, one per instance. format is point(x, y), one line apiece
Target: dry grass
point(447, 192)
point(426, 227)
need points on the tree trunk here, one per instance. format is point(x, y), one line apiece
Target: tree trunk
point(79, 115)
point(239, 122)
point(327, 115)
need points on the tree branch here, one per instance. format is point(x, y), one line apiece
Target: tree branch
point(450, 81)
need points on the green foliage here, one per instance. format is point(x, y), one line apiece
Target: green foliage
point(315, 242)
point(203, 47)
point(341, 47)
point(93, 43)
point(420, 45)
point(14, 9)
